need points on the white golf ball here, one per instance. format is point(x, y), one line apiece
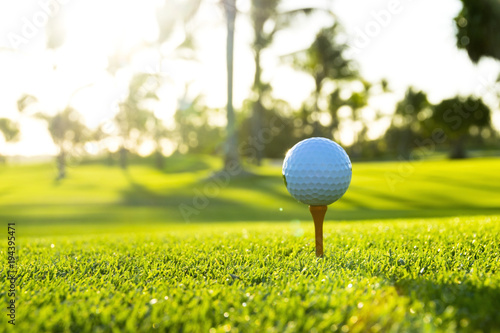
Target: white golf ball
point(317, 171)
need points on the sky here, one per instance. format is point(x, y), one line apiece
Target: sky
point(410, 43)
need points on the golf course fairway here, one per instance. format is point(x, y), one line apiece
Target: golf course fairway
point(110, 251)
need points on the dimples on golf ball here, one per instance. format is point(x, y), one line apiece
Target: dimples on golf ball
point(317, 171)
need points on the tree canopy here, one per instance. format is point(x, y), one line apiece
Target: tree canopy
point(478, 28)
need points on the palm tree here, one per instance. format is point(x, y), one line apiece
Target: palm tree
point(325, 60)
point(133, 117)
point(66, 128)
point(159, 132)
point(231, 160)
point(263, 14)
point(9, 130)
point(357, 101)
point(68, 132)
point(334, 104)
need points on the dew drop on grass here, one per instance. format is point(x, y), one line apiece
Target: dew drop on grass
point(349, 285)
point(226, 314)
point(281, 209)
point(52, 245)
point(153, 301)
point(360, 305)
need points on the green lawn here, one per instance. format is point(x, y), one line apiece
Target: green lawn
point(410, 247)
point(406, 276)
point(96, 196)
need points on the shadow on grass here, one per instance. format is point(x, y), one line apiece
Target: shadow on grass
point(464, 182)
point(217, 208)
point(173, 164)
point(471, 307)
point(140, 204)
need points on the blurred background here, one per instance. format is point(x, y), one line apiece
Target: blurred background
point(126, 112)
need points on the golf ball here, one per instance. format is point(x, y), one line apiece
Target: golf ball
point(317, 171)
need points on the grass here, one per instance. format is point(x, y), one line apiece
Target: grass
point(96, 196)
point(406, 276)
point(411, 247)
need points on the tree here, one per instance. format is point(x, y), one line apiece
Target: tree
point(9, 130)
point(194, 130)
point(66, 128)
point(232, 159)
point(267, 19)
point(68, 133)
point(358, 101)
point(478, 28)
point(325, 60)
point(159, 132)
point(168, 17)
point(133, 115)
point(405, 125)
point(136, 122)
point(277, 127)
point(172, 14)
point(334, 104)
point(262, 11)
point(456, 117)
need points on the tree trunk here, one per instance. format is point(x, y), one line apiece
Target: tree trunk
point(123, 158)
point(110, 158)
point(316, 125)
point(257, 114)
point(257, 110)
point(404, 145)
point(458, 148)
point(334, 125)
point(231, 160)
point(355, 150)
point(159, 159)
point(61, 165)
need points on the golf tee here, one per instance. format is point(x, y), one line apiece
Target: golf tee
point(318, 215)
